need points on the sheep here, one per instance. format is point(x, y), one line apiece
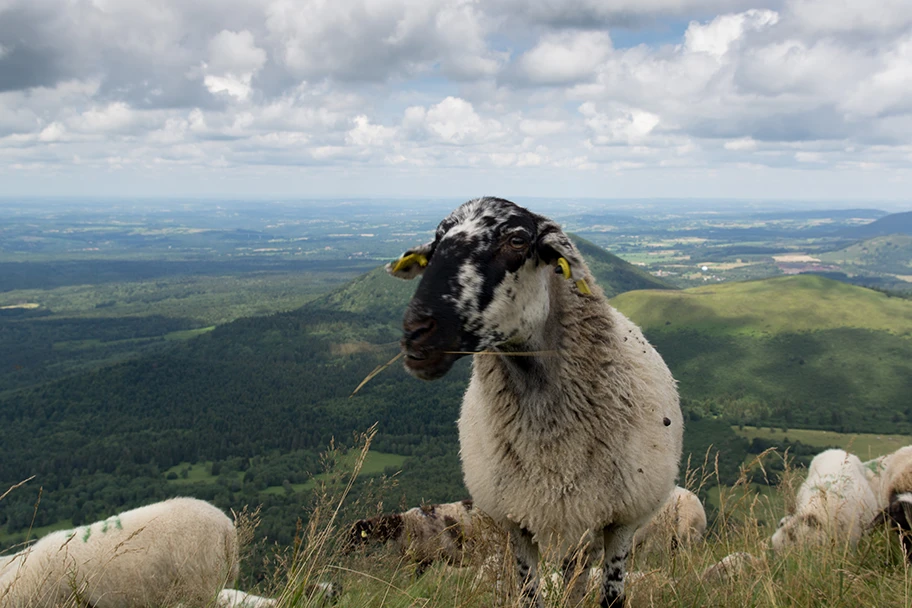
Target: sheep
point(732, 566)
point(894, 493)
point(180, 550)
point(835, 502)
point(232, 598)
point(325, 593)
point(423, 534)
point(680, 522)
point(574, 442)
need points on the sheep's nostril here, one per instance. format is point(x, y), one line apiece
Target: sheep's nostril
point(418, 331)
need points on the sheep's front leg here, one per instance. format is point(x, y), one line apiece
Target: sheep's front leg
point(525, 553)
point(582, 568)
point(618, 540)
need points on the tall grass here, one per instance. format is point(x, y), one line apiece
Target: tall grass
point(872, 574)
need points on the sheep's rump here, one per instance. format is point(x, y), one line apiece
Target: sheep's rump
point(180, 550)
point(680, 522)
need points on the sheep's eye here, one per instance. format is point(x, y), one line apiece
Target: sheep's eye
point(518, 242)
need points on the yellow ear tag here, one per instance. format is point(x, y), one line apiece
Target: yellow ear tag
point(407, 260)
point(363, 533)
point(564, 265)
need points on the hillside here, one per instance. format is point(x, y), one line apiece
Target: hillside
point(800, 351)
point(884, 254)
point(797, 303)
point(895, 223)
point(252, 402)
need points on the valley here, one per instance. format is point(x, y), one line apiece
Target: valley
point(170, 356)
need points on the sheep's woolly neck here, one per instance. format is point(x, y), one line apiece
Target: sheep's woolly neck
point(566, 443)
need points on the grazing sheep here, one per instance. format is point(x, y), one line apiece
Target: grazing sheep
point(894, 494)
point(680, 522)
point(732, 566)
point(180, 550)
point(834, 503)
point(574, 442)
point(232, 598)
point(423, 534)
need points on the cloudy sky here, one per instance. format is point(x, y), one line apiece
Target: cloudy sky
point(804, 99)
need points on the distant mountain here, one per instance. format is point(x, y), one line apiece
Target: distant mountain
point(376, 293)
point(800, 351)
point(895, 223)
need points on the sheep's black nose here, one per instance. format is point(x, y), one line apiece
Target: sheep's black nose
point(418, 329)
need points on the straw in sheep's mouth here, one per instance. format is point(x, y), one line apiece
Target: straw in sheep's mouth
point(415, 356)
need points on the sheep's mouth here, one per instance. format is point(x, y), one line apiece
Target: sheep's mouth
point(428, 364)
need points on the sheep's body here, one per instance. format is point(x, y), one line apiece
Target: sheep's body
point(180, 550)
point(732, 566)
point(895, 476)
point(323, 593)
point(584, 447)
point(423, 534)
point(680, 522)
point(893, 487)
point(232, 598)
point(835, 502)
point(576, 446)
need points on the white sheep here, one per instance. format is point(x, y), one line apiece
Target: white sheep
point(574, 441)
point(893, 486)
point(835, 503)
point(324, 593)
point(181, 550)
point(232, 598)
point(680, 522)
point(423, 534)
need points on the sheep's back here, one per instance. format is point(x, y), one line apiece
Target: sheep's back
point(180, 549)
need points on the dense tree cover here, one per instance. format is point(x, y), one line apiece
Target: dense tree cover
point(256, 401)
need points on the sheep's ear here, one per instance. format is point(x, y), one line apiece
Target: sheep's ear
point(813, 521)
point(555, 248)
point(412, 262)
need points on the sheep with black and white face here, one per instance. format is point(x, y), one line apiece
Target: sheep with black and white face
point(577, 441)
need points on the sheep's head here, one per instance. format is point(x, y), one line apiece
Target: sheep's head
point(484, 284)
point(801, 529)
point(379, 529)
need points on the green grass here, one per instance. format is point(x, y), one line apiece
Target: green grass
point(187, 333)
point(865, 445)
point(770, 306)
point(196, 473)
point(890, 254)
point(375, 463)
point(35, 532)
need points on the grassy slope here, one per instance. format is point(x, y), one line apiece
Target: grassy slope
point(798, 351)
point(865, 445)
point(771, 306)
point(891, 254)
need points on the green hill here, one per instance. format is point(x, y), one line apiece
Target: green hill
point(771, 306)
point(884, 254)
point(798, 351)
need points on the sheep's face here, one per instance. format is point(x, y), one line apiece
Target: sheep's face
point(484, 283)
point(379, 529)
point(803, 529)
